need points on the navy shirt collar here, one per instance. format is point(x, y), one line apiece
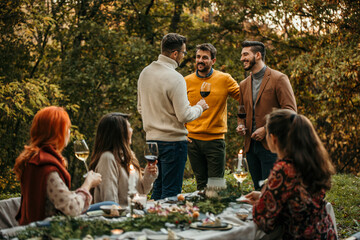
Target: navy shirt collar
point(207, 75)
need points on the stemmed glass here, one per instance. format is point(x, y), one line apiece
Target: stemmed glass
point(242, 171)
point(242, 115)
point(81, 151)
point(151, 152)
point(205, 89)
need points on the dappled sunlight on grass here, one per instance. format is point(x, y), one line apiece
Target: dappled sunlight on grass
point(345, 198)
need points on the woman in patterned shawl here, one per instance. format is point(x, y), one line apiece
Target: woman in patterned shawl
point(294, 196)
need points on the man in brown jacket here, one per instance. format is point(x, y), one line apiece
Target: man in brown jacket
point(262, 91)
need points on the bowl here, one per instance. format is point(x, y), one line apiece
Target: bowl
point(107, 209)
point(242, 214)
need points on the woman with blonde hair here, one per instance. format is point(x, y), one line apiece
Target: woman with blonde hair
point(294, 196)
point(41, 169)
point(112, 157)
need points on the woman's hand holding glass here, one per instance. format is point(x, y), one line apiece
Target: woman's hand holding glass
point(152, 168)
point(92, 180)
point(252, 197)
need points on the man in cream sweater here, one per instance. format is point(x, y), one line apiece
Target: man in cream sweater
point(164, 108)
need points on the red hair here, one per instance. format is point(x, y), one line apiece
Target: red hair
point(49, 127)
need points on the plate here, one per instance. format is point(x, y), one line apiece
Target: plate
point(110, 216)
point(241, 199)
point(159, 237)
point(107, 209)
point(223, 227)
point(95, 213)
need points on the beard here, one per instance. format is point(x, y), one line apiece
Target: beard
point(251, 64)
point(178, 60)
point(205, 69)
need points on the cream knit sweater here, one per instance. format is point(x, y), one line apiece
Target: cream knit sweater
point(114, 184)
point(163, 102)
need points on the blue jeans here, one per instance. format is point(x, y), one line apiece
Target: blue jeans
point(171, 164)
point(260, 161)
point(96, 206)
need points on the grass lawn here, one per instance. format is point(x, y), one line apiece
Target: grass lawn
point(345, 198)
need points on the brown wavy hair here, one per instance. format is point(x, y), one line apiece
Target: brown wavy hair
point(112, 135)
point(300, 142)
point(49, 127)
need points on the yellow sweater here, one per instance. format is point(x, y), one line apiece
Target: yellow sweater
point(212, 124)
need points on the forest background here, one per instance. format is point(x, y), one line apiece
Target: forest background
point(86, 55)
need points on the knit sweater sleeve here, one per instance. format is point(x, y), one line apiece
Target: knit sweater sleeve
point(138, 100)
point(233, 88)
point(109, 170)
point(184, 112)
point(145, 183)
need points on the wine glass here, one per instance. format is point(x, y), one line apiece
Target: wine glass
point(151, 152)
point(81, 151)
point(242, 115)
point(205, 89)
point(242, 171)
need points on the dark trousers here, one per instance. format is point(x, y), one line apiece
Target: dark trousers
point(207, 159)
point(171, 165)
point(260, 162)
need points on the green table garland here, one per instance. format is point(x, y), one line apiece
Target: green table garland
point(68, 227)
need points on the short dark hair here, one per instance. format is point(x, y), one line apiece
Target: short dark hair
point(172, 42)
point(255, 47)
point(207, 47)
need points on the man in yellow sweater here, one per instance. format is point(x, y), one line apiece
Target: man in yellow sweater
point(206, 144)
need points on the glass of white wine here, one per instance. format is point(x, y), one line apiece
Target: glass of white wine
point(242, 171)
point(81, 151)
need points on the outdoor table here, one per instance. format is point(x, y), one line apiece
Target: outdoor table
point(240, 229)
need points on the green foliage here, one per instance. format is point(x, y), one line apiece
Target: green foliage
point(327, 83)
point(70, 228)
point(189, 184)
point(9, 186)
point(19, 101)
point(228, 195)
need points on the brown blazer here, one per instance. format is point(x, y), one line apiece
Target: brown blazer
point(275, 92)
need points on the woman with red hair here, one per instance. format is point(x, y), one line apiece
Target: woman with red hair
point(41, 169)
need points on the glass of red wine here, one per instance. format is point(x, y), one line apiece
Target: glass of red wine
point(242, 115)
point(205, 89)
point(151, 152)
